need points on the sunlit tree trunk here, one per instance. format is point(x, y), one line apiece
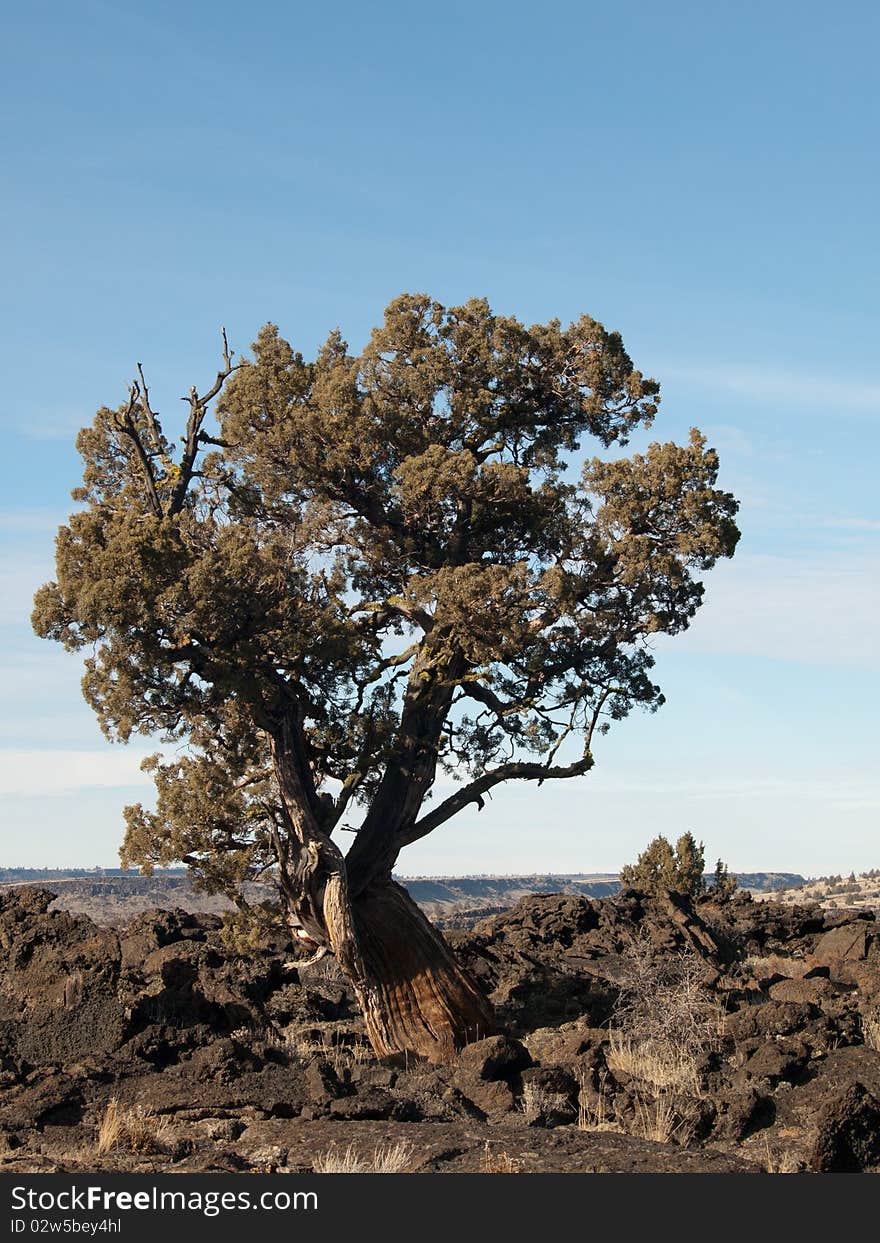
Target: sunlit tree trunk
point(414, 996)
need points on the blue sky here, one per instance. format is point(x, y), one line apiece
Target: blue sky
point(702, 177)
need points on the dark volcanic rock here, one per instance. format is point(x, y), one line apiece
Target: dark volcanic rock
point(246, 1064)
point(58, 982)
point(848, 1137)
point(497, 1057)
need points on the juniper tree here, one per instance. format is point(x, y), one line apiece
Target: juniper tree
point(660, 867)
point(364, 570)
point(723, 882)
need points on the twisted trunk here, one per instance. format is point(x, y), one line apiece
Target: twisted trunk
point(415, 996)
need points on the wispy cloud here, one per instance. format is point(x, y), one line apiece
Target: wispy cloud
point(31, 521)
point(780, 387)
point(819, 610)
point(41, 773)
point(851, 524)
point(61, 423)
point(843, 792)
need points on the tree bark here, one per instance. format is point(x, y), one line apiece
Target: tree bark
point(414, 996)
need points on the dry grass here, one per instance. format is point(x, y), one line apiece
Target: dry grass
point(137, 1128)
point(778, 1161)
point(771, 964)
point(498, 1162)
point(662, 1065)
point(385, 1159)
point(595, 1117)
point(340, 1054)
point(871, 1029)
point(537, 1101)
point(660, 1121)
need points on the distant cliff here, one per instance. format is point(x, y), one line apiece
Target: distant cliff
point(115, 897)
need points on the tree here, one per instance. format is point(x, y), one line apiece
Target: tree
point(374, 568)
point(659, 867)
point(723, 883)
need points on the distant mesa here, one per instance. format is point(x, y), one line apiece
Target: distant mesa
point(113, 896)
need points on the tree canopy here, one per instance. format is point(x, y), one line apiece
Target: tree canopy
point(661, 867)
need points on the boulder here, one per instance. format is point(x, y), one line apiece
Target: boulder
point(496, 1057)
point(843, 944)
point(808, 990)
point(848, 1133)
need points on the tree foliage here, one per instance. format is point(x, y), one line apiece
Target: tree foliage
point(660, 867)
point(723, 881)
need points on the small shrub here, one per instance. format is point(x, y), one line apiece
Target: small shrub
point(660, 867)
point(664, 1017)
point(723, 884)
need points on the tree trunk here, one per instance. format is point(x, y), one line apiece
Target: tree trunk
point(414, 995)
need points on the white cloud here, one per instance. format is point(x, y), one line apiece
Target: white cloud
point(42, 773)
point(851, 524)
point(31, 521)
point(20, 577)
point(779, 386)
point(821, 610)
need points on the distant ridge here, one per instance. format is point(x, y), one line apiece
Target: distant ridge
point(444, 895)
point(112, 896)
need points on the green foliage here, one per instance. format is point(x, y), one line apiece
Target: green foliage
point(250, 929)
point(723, 883)
point(380, 559)
point(659, 867)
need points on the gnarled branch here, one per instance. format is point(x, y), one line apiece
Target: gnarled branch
point(473, 792)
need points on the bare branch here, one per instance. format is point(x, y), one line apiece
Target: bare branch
point(198, 408)
point(126, 426)
point(149, 413)
point(473, 792)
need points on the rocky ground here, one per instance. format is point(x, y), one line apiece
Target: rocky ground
point(639, 1034)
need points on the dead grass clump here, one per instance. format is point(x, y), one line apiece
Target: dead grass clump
point(341, 1054)
point(871, 1029)
point(385, 1159)
point(779, 1161)
point(537, 1101)
point(762, 967)
point(661, 1121)
point(593, 1115)
point(498, 1162)
point(661, 1064)
point(136, 1128)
